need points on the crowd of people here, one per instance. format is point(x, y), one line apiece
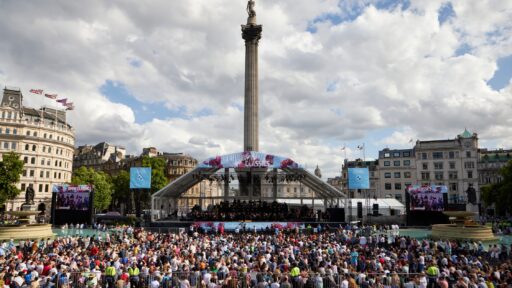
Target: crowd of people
point(345, 257)
point(254, 211)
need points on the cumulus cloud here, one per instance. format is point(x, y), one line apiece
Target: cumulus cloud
point(330, 71)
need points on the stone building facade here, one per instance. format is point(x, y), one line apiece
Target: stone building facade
point(45, 142)
point(396, 171)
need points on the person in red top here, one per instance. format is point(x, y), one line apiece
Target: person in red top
point(94, 250)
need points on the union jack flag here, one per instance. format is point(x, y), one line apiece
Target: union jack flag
point(51, 96)
point(36, 91)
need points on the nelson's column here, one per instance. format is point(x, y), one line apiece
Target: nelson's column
point(251, 33)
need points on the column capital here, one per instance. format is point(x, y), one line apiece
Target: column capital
point(251, 32)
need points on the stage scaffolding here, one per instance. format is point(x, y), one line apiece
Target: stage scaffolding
point(209, 186)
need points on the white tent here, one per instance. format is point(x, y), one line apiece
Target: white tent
point(385, 206)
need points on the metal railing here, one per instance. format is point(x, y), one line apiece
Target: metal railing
point(197, 279)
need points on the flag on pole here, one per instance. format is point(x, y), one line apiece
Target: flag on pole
point(410, 141)
point(62, 101)
point(360, 147)
point(51, 96)
point(343, 148)
point(68, 104)
point(70, 108)
point(37, 91)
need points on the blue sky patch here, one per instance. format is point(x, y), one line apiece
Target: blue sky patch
point(145, 112)
point(445, 13)
point(502, 76)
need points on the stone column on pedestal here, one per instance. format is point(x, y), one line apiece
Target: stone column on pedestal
point(251, 33)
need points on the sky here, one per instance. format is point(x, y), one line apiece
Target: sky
point(170, 74)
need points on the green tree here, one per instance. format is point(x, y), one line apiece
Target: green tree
point(121, 186)
point(102, 185)
point(158, 179)
point(500, 193)
point(11, 168)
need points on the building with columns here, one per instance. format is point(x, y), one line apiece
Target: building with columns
point(45, 142)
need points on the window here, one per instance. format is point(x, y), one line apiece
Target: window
point(453, 187)
point(469, 165)
point(438, 175)
point(470, 174)
point(51, 136)
point(425, 176)
point(44, 135)
point(407, 174)
point(407, 154)
point(46, 187)
point(452, 165)
point(23, 186)
point(55, 175)
point(15, 131)
point(7, 130)
point(42, 161)
point(60, 176)
point(387, 163)
point(424, 156)
point(452, 175)
point(397, 175)
point(407, 162)
point(35, 134)
point(25, 160)
point(47, 174)
point(451, 154)
point(41, 174)
point(48, 163)
point(27, 147)
point(49, 149)
point(437, 155)
point(40, 187)
point(31, 173)
point(24, 173)
point(13, 145)
point(387, 186)
point(468, 154)
point(28, 133)
point(387, 175)
point(396, 163)
point(398, 186)
point(33, 160)
point(396, 154)
point(438, 165)
point(386, 155)
point(425, 166)
point(6, 145)
point(34, 147)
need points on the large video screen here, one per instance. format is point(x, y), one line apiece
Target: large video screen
point(358, 178)
point(427, 198)
point(72, 197)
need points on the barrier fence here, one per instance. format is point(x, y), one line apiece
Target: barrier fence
point(219, 279)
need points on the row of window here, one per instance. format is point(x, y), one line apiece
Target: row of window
point(14, 131)
point(9, 115)
point(451, 164)
point(397, 175)
point(397, 154)
point(46, 149)
point(42, 187)
point(8, 131)
point(396, 163)
point(58, 163)
point(8, 145)
point(44, 174)
point(442, 155)
point(452, 175)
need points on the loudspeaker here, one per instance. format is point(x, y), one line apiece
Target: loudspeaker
point(336, 214)
point(359, 209)
point(375, 209)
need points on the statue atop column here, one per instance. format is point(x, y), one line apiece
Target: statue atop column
point(252, 13)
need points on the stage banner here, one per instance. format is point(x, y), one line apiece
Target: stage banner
point(249, 159)
point(72, 197)
point(140, 177)
point(358, 178)
point(427, 197)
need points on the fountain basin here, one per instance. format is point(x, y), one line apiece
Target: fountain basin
point(28, 231)
point(462, 228)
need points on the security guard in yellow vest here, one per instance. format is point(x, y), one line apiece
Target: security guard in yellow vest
point(110, 276)
point(432, 274)
point(134, 272)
